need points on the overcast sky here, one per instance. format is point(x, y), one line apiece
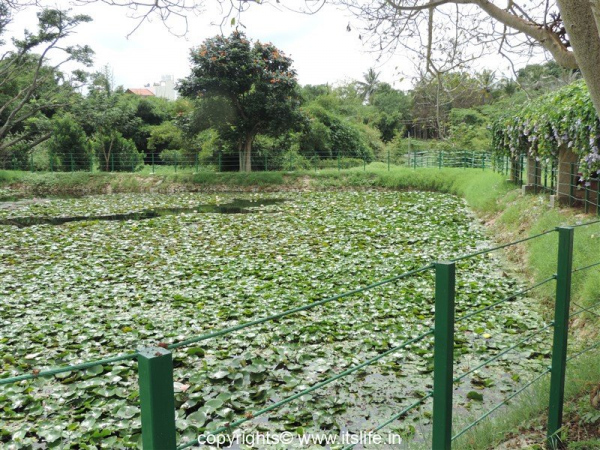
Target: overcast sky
point(322, 49)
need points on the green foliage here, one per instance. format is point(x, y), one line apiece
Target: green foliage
point(33, 88)
point(393, 109)
point(209, 144)
point(316, 139)
point(173, 158)
point(541, 78)
point(68, 147)
point(166, 136)
point(469, 137)
point(115, 153)
point(257, 82)
point(563, 118)
point(466, 116)
point(342, 136)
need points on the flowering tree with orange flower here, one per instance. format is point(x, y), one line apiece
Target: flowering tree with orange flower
point(256, 81)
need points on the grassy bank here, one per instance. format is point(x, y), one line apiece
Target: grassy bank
point(481, 189)
point(523, 424)
point(509, 216)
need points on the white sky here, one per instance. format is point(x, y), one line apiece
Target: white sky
point(321, 48)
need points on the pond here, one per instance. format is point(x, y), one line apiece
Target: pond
point(90, 288)
point(236, 206)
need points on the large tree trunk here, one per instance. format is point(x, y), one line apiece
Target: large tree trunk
point(246, 153)
point(241, 156)
point(581, 18)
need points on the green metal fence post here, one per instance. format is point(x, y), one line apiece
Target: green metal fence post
point(561, 333)
point(152, 162)
point(535, 176)
point(414, 159)
point(443, 353)
point(266, 163)
point(175, 162)
point(388, 160)
point(112, 162)
point(157, 398)
point(440, 159)
point(521, 167)
point(197, 162)
point(72, 163)
point(220, 162)
point(587, 198)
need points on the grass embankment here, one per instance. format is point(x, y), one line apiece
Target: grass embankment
point(478, 187)
point(509, 217)
point(524, 423)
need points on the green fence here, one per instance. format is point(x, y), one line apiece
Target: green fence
point(562, 180)
point(189, 163)
point(155, 364)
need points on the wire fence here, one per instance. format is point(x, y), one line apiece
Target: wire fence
point(155, 364)
point(562, 179)
point(288, 162)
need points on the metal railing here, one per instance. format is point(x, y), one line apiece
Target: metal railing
point(455, 158)
point(563, 180)
point(288, 162)
point(155, 364)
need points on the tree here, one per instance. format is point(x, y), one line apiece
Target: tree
point(69, 144)
point(448, 34)
point(31, 89)
point(110, 119)
point(443, 30)
point(369, 85)
point(256, 81)
point(394, 108)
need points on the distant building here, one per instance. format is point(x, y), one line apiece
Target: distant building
point(143, 92)
point(165, 88)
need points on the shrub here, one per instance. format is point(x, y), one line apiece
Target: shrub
point(115, 153)
point(175, 158)
point(68, 147)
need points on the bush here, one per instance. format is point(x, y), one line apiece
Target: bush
point(17, 157)
point(343, 163)
point(68, 147)
point(175, 158)
point(115, 153)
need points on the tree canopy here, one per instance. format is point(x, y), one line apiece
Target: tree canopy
point(565, 117)
point(257, 83)
point(32, 89)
